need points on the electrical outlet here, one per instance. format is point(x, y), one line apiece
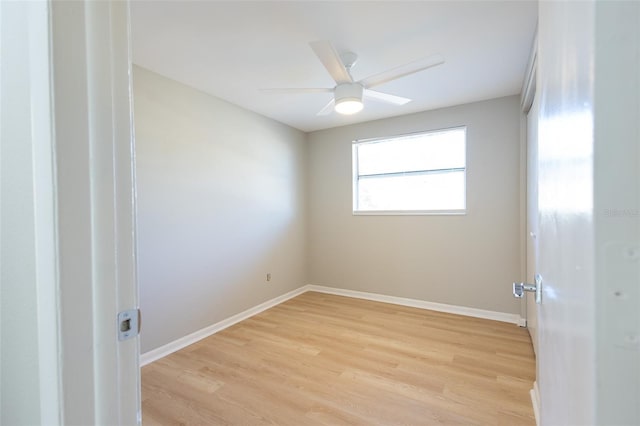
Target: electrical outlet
point(268, 277)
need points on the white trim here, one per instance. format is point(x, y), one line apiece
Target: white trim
point(95, 211)
point(27, 207)
point(529, 83)
point(523, 211)
point(176, 345)
point(535, 401)
point(460, 212)
point(522, 322)
point(45, 214)
point(406, 135)
point(422, 304)
point(203, 333)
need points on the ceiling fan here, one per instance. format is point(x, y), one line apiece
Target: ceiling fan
point(348, 93)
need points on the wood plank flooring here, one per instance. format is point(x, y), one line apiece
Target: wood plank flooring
point(320, 359)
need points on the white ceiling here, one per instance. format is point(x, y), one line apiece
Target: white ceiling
point(233, 49)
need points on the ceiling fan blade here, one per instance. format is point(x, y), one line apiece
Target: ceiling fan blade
point(385, 97)
point(331, 61)
point(286, 90)
point(327, 108)
point(402, 71)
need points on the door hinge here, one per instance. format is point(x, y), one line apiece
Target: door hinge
point(129, 324)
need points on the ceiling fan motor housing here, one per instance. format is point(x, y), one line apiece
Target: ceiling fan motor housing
point(348, 92)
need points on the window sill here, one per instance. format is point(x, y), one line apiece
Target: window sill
point(410, 213)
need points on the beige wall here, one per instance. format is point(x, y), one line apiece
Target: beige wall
point(467, 260)
point(221, 203)
point(223, 199)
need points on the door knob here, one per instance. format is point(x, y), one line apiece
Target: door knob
point(520, 288)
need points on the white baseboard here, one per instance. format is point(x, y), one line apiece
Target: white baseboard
point(415, 303)
point(535, 401)
point(194, 337)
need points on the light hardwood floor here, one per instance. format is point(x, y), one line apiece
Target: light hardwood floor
point(320, 359)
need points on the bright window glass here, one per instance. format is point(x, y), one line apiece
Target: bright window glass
point(421, 173)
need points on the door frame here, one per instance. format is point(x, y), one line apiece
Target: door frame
point(71, 117)
point(95, 196)
point(29, 304)
point(526, 103)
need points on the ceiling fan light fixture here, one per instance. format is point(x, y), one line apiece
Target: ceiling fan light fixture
point(348, 98)
point(348, 106)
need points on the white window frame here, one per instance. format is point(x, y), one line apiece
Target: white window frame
point(356, 177)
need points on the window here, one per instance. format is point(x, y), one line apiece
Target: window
point(411, 174)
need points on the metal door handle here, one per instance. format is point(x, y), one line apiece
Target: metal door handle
point(520, 288)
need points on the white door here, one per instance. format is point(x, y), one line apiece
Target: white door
point(588, 203)
point(566, 317)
